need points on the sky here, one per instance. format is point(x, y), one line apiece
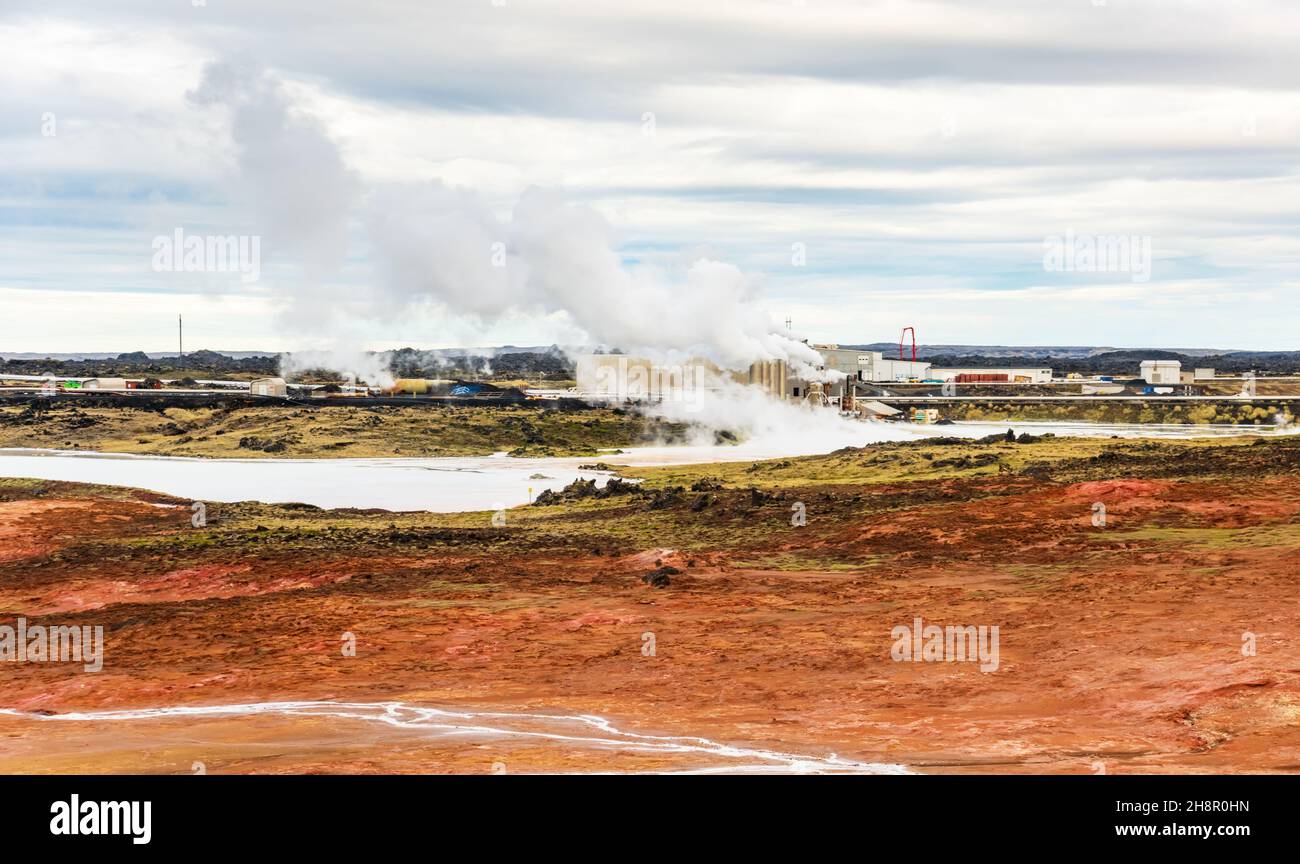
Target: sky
point(859, 166)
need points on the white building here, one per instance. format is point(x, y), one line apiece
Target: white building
point(871, 365)
point(1161, 371)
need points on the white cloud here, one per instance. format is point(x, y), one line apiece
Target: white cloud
point(920, 151)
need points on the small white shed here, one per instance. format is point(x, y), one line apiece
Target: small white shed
point(104, 384)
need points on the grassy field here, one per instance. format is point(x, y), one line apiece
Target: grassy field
point(332, 431)
point(743, 507)
point(1042, 457)
point(1154, 411)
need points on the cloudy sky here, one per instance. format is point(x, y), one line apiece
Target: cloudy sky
point(864, 165)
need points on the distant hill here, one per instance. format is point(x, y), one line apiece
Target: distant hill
point(503, 363)
point(551, 362)
point(1091, 359)
point(507, 362)
point(1073, 352)
point(138, 364)
point(241, 355)
point(109, 355)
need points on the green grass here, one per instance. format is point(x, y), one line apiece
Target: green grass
point(334, 431)
point(811, 560)
point(1287, 536)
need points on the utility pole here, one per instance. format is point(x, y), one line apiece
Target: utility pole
point(180, 339)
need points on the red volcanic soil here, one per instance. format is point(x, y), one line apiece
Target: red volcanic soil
point(1121, 647)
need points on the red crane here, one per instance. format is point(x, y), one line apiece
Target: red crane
point(900, 343)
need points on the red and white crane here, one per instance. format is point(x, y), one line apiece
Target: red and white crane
point(900, 343)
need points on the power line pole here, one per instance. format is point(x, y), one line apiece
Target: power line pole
point(180, 339)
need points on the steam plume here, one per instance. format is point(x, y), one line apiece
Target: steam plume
point(443, 249)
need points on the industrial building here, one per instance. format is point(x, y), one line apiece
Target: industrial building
point(637, 379)
point(626, 378)
point(1161, 371)
point(871, 365)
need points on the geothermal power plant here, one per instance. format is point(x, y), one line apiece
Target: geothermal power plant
point(856, 382)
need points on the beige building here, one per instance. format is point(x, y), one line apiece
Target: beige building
point(268, 387)
point(104, 384)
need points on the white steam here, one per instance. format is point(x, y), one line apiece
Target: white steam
point(771, 428)
point(362, 366)
point(290, 170)
point(554, 256)
point(442, 251)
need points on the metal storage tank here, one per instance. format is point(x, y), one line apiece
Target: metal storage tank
point(771, 376)
point(411, 386)
point(626, 378)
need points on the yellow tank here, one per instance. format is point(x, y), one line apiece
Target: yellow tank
point(411, 386)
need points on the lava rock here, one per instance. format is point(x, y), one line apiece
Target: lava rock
point(659, 576)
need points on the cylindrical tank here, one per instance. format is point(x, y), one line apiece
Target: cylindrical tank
point(411, 386)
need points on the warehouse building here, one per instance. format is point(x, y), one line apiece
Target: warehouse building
point(871, 365)
point(1161, 371)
